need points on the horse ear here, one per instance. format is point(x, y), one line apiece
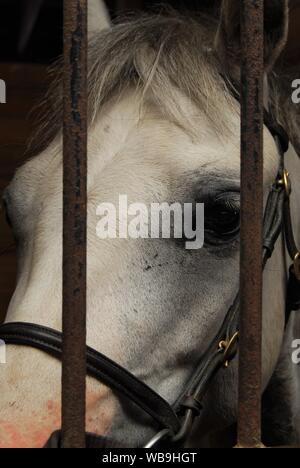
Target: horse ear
point(276, 30)
point(98, 16)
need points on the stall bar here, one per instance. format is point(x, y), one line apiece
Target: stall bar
point(252, 58)
point(74, 223)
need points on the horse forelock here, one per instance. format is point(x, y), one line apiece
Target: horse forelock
point(160, 56)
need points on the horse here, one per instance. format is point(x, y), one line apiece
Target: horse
point(163, 127)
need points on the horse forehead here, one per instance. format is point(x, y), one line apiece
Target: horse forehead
point(144, 141)
point(163, 141)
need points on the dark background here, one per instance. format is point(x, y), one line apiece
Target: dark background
point(30, 39)
point(31, 30)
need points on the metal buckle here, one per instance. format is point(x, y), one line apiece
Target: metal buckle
point(227, 346)
point(157, 438)
point(297, 265)
point(285, 182)
point(177, 439)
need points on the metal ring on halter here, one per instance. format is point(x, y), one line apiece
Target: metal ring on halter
point(157, 438)
point(285, 182)
point(297, 265)
point(227, 347)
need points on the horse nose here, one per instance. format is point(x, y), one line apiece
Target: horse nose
point(99, 403)
point(92, 441)
point(33, 428)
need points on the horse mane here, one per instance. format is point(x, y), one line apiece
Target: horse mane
point(160, 56)
point(157, 55)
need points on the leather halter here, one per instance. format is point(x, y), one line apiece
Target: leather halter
point(175, 421)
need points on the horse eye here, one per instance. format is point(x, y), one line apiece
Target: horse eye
point(222, 220)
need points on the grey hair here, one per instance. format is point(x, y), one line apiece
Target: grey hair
point(158, 55)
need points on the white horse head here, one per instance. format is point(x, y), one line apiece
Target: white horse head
point(163, 128)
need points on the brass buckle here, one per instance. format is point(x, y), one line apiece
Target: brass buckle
point(297, 265)
point(285, 182)
point(227, 346)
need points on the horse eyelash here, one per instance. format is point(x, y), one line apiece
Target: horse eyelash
point(231, 203)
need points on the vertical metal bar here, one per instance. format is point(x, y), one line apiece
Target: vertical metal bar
point(252, 44)
point(74, 224)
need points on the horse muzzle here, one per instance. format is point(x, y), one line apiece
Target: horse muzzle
point(92, 441)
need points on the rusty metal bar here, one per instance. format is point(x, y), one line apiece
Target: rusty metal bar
point(252, 45)
point(74, 224)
